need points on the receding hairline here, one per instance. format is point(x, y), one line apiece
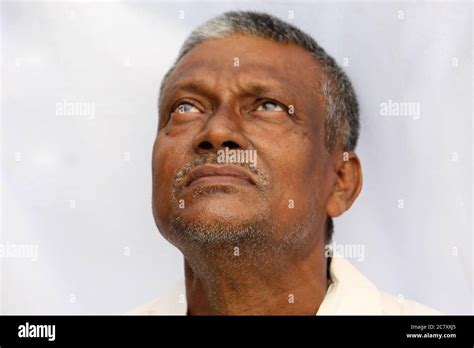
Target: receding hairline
point(316, 65)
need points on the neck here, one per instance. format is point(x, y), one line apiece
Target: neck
point(268, 284)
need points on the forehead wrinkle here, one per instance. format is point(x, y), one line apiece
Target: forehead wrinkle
point(261, 79)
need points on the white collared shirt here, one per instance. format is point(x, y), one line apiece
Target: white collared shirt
point(349, 293)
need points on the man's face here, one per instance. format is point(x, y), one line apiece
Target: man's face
point(245, 93)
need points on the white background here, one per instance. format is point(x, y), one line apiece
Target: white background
point(114, 54)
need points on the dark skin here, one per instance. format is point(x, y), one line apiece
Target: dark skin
point(208, 104)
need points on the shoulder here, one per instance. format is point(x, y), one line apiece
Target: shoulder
point(352, 293)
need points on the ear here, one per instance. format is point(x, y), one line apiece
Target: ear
point(348, 183)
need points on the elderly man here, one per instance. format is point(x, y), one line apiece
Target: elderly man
point(253, 158)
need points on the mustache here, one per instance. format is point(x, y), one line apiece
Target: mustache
point(261, 179)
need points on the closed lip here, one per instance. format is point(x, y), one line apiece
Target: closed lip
point(219, 174)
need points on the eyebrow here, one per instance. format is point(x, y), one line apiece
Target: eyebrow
point(249, 88)
point(191, 86)
point(257, 89)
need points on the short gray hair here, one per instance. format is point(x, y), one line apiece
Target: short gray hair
point(341, 106)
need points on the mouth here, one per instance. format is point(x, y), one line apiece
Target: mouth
point(219, 175)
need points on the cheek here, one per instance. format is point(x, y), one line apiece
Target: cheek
point(168, 159)
point(297, 174)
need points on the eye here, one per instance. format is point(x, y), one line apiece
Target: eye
point(269, 105)
point(185, 107)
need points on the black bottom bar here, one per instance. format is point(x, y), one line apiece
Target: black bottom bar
point(142, 330)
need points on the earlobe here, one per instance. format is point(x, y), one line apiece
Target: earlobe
point(347, 185)
point(336, 204)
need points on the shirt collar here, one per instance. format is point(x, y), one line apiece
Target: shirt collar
point(349, 291)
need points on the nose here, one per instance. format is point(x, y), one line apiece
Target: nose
point(221, 130)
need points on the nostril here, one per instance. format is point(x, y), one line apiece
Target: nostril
point(205, 145)
point(230, 144)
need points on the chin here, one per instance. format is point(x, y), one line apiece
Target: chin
point(219, 211)
point(227, 202)
point(210, 227)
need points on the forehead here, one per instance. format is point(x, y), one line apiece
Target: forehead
point(241, 57)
